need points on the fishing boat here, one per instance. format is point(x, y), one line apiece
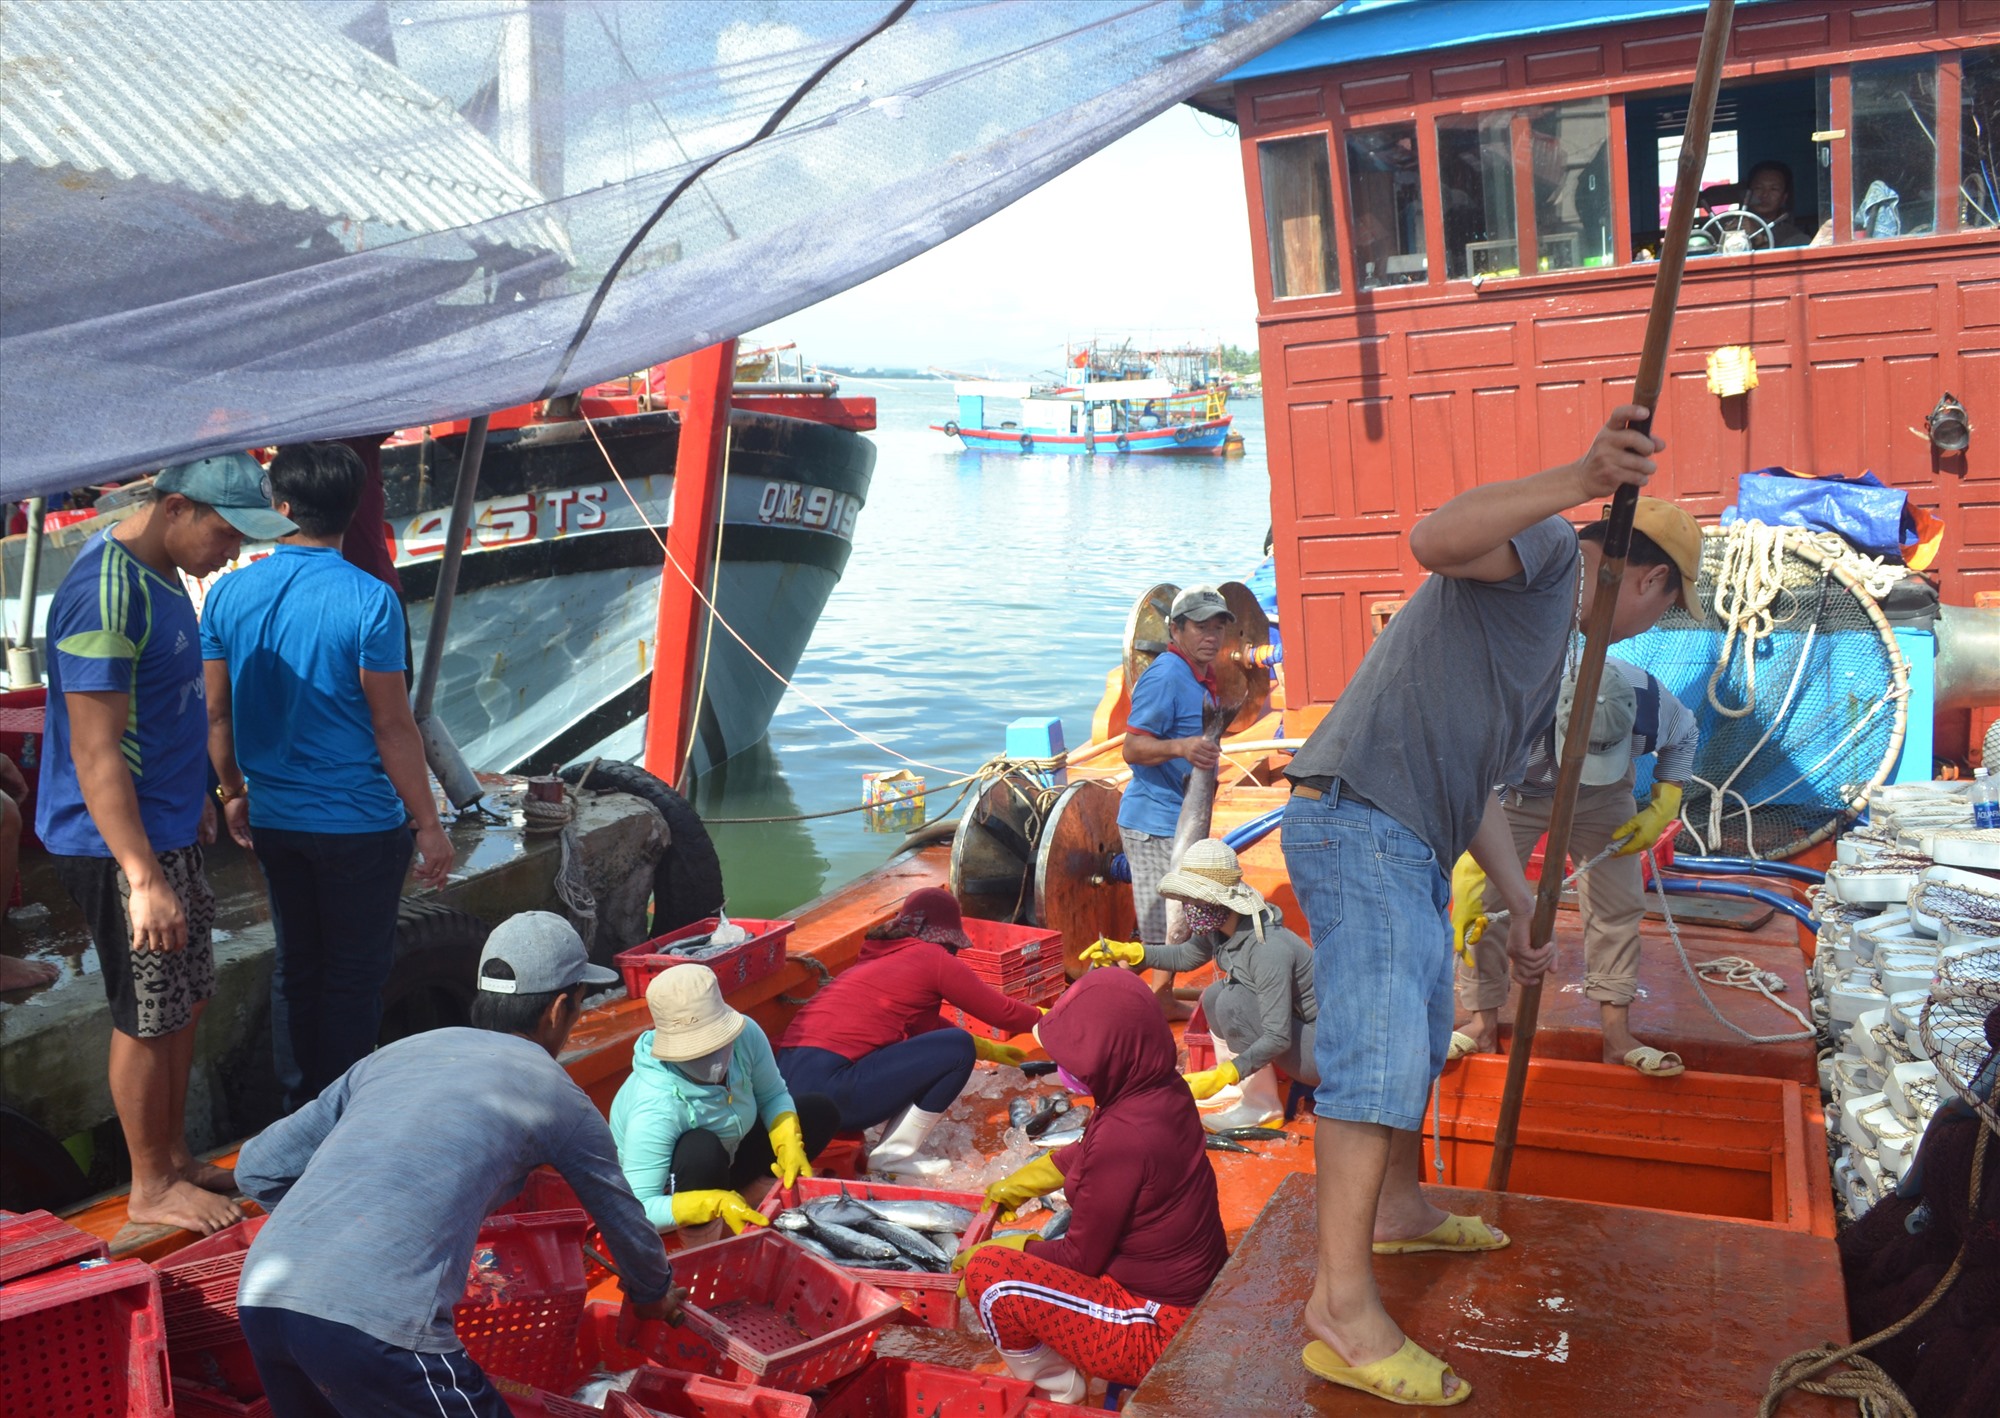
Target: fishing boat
point(1115, 416)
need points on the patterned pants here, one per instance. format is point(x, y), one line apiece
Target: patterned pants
point(1094, 1322)
point(153, 993)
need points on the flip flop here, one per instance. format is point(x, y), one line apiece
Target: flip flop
point(1454, 1233)
point(1411, 1376)
point(1461, 1045)
point(1655, 1063)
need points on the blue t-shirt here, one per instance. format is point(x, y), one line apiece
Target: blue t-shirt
point(116, 626)
point(297, 629)
point(1167, 703)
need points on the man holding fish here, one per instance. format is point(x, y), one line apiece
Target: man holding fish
point(1166, 744)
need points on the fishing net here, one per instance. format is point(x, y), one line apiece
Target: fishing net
point(239, 222)
point(1953, 1025)
point(1795, 681)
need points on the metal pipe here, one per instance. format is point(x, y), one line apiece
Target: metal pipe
point(1748, 866)
point(1968, 657)
point(24, 670)
point(463, 496)
point(1679, 886)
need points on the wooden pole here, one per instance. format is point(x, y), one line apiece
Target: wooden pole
point(698, 387)
point(1611, 571)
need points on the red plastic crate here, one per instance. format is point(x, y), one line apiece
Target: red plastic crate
point(545, 1190)
point(32, 1241)
point(1200, 1043)
point(929, 1299)
point(85, 1343)
point(218, 1382)
point(198, 1288)
point(903, 1388)
point(751, 961)
point(763, 1311)
point(1043, 995)
point(527, 1401)
point(670, 1393)
point(524, 1298)
point(1001, 946)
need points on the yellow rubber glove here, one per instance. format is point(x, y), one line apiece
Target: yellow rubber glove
point(1038, 1178)
point(1468, 907)
point(1115, 952)
point(993, 1051)
point(1212, 1081)
point(1657, 819)
point(698, 1208)
point(788, 1148)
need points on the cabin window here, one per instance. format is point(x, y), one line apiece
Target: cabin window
point(1298, 216)
point(1386, 205)
point(1763, 185)
point(1476, 179)
point(1893, 147)
point(1979, 139)
point(1570, 145)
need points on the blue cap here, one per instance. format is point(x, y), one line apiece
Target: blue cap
point(235, 486)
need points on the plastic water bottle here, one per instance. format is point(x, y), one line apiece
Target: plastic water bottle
point(1985, 799)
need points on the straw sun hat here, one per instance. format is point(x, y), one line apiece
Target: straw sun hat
point(1209, 873)
point(690, 1017)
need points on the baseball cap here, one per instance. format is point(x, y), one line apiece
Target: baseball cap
point(545, 953)
point(1677, 534)
point(236, 487)
point(1200, 603)
point(1610, 727)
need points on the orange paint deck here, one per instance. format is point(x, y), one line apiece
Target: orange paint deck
point(1592, 1309)
point(1708, 1144)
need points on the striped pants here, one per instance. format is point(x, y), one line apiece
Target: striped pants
point(1094, 1322)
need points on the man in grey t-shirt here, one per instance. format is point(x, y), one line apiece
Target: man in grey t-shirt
point(377, 1189)
point(1397, 781)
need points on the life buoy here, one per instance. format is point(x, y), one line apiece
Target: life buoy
point(950, 429)
point(1124, 444)
point(1181, 433)
point(1027, 443)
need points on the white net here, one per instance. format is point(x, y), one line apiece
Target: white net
point(236, 222)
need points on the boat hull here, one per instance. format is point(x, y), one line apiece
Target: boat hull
point(1206, 437)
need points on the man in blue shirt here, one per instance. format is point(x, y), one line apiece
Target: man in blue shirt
point(1163, 743)
point(123, 792)
point(321, 766)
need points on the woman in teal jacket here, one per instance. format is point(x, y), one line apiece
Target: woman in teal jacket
point(705, 1116)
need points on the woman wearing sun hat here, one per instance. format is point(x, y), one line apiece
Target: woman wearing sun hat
point(1262, 1008)
point(705, 1115)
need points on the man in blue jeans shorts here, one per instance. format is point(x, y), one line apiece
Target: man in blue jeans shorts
point(1393, 785)
point(321, 770)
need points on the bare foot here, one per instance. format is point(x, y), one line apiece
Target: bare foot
point(1365, 1338)
point(26, 974)
point(185, 1205)
point(210, 1177)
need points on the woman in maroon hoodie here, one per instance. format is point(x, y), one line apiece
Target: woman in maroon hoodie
point(1145, 1235)
point(872, 1040)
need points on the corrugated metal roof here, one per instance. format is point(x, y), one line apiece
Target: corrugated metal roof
point(250, 100)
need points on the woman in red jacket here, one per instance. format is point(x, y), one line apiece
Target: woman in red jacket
point(1145, 1237)
point(872, 1040)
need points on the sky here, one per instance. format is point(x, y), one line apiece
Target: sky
point(1147, 235)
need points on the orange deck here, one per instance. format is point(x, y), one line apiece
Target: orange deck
point(1592, 1310)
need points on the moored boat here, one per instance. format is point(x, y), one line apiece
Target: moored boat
point(1119, 416)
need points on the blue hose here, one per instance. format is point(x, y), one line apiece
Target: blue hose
point(1747, 866)
point(1676, 886)
point(1249, 834)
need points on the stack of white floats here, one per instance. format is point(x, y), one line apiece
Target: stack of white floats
point(1916, 887)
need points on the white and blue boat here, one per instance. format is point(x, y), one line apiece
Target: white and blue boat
point(1110, 417)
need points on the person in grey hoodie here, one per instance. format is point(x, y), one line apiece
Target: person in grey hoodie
point(705, 1116)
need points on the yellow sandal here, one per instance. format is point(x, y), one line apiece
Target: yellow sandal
point(1454, 1233)
point(1412, 1376)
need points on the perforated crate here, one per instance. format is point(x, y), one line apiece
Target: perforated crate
point(763, 1311)
point(669, 1393)
point(929, 1299)
point(524, 1297)
point(527, 1401)
point(32, 1241)
point(84, 1343)
point(904, 1388)
point(198, 1288)
point(545, 1190)
point(219, 1381)
point(1001, 950)
point(1043, 995)
point(734, 968)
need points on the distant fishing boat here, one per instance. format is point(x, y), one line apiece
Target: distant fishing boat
point(1117, 416)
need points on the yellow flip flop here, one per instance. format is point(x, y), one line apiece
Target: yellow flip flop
point(1412, 1376)
point(1655, 1063)
point(1454, 1233)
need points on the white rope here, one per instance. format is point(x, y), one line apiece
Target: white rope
point(1740, 974)
point(1747, 584)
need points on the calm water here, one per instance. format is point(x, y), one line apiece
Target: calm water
point(983, 588)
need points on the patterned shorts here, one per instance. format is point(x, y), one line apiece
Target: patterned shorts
point(153, 993)
point(1150, 859)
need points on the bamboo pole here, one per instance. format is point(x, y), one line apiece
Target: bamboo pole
point(1611, 570)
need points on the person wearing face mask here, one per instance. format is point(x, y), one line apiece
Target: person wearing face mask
point(1262, 1008)
point(705, 1124)
point(1145, 1238)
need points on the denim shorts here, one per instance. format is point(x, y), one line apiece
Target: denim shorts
point(1379, 907)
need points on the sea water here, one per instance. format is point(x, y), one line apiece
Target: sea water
point(983, 588)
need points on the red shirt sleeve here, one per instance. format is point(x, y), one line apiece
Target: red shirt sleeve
point(958, 985)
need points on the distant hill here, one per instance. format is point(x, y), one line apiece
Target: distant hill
point(870, 371)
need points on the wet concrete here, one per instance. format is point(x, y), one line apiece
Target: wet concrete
point(1592, 1310)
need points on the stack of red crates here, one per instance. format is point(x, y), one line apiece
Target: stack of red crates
point(1022, 962)
point(213, 1374)
point(81, 1340)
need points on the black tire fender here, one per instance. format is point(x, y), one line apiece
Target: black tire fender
point(432, 982)
point(687, 880)
point(1181, 433)
point(1027, 443)
point(1124, 444)
point(950, 429)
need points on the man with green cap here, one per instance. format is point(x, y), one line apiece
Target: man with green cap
point(124, 806)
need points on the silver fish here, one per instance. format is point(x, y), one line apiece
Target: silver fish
point(1066, 1136)
point(913, 1244)
point(1197, 814)
point(792, 1219)
point(933, 1216)
point(806, 1242)
point(841, 1210)
point(1045, 1116)
point(1020, 1110)
point(1057, 1225)
point(847, 1242)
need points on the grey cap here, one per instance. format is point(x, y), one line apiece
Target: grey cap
point(236, 487)
point(545, 953)
point(1200, 603)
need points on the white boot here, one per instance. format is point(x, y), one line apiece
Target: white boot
point(1049, 1372)
point(1257, 1103)
point(896, 1154)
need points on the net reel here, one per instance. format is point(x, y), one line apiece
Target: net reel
point(1074, 890)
